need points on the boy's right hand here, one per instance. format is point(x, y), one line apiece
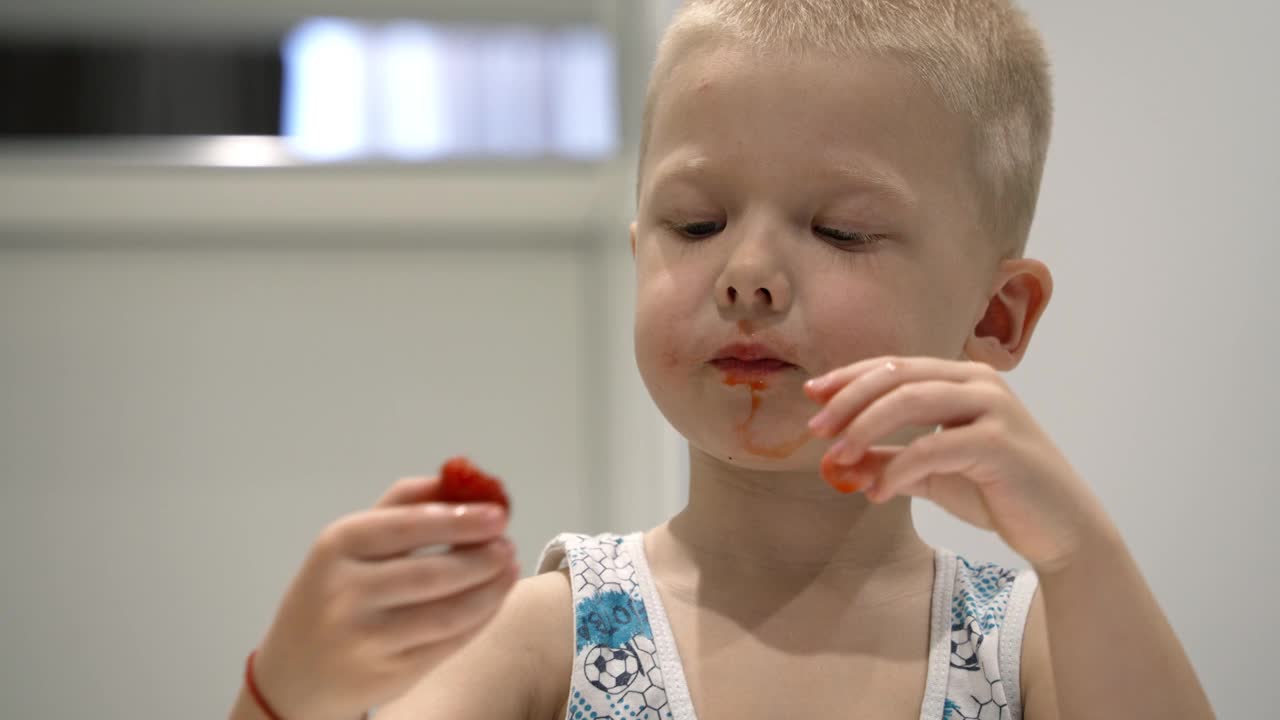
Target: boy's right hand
point(365, 618)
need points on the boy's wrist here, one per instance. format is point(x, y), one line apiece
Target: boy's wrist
point(245, 707)
point(1099, 543)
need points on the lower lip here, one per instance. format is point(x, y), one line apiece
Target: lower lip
point(751, 368)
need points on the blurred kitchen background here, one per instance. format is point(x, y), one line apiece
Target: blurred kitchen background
point(258, 261)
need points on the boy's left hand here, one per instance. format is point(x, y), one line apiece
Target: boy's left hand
point(990, 464)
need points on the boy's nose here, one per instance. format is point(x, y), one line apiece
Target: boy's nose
point(753, 278)
point(763, 294)
point(744, 296)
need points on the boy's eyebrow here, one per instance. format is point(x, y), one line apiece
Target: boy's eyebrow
point(859, 178)
point(680, 169)
point(876, 182)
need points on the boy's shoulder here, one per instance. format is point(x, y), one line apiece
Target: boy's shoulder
point(540, 610)
point(989, 613)
point(522, 649)
point(556, 553)
point(984, 590)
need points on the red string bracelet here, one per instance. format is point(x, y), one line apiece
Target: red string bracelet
point(261, 701)
point(263, 705)
point(252, 689)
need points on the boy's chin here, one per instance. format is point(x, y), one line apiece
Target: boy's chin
point(794, 455)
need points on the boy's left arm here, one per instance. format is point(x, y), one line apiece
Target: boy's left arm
point(1113, 653)
point(1096, 642)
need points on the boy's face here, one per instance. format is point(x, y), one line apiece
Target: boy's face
point(820, 210)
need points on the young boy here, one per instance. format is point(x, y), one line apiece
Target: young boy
point(834, 198)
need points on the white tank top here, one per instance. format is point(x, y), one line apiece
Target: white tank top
point(626, 665)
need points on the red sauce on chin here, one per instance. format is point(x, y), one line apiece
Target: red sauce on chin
point(779, 451)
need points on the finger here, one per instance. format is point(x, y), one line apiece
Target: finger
point(823, 387)
point(417, 579)
point(954, 493)
point(932, 402)
point(406, 490)
point(411, 626)
point(953, 452)
point(387, 532)
point(857, 394)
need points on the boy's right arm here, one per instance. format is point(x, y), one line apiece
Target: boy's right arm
point(517, 668)
point(368, 616)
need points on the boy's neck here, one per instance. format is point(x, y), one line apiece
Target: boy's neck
point(789, 529)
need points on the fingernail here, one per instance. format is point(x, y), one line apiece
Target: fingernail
point(849, 453)
point(819, 421)
point(836, 451)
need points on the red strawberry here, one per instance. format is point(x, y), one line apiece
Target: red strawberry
point(462, 482)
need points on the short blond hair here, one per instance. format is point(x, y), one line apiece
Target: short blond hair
point(982, 58)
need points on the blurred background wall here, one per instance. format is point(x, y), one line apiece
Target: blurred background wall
point(214, 341)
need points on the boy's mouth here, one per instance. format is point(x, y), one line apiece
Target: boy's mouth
point(738, 365)
point(751, 359)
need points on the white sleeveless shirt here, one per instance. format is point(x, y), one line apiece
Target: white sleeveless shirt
point(627, 667)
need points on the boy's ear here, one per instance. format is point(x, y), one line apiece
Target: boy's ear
point(633, 238)
point(1021, 291)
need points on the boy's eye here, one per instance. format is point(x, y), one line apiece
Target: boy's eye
point(846, 239)
point(699, 230)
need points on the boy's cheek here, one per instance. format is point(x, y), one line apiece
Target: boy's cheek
point(848, 327)
point(666, 310)
point(854, 340)
point(657, 347)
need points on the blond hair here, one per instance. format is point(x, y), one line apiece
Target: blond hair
point(982, 58)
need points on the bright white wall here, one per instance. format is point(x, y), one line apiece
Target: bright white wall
point(1153, 367)
point(201, 368)
point(178, 425)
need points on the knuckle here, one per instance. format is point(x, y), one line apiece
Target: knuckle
point(452, 616)
point(375, 652)
point(928, 446)
point(331, 538)
point(994, 391)
point(425, 574)
point(991, 433)
point(912, 397)
point(987, 372)
point(495, 552)
point(345, 607)
point(473, 560)
point(840, 402)
point(375, 586)
point(401, 528)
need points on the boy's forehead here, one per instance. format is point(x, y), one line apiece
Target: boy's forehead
point(865, 123)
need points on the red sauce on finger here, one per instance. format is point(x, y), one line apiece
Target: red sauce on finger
point(845, 478)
